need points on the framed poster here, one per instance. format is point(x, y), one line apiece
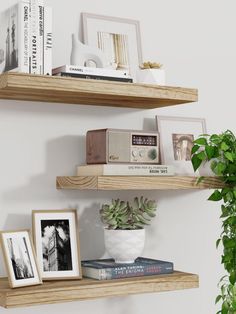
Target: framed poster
point(57, 243)
point(20, 258)
point(118, 38)
point(176, 141)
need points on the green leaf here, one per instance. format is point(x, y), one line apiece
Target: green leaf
point(196, 162)
point(229, 156)
point(224, 146)
point(200, 179)
point(210, 151)
point(220, 168)
point(215, 196)
point(202, 156)
point(232, 278)
point(218, 298)
point(201, 141)
point(217, 243)
point(195, 149)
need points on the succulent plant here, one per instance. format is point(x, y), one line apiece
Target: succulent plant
point(125, 216)
point(150, 65)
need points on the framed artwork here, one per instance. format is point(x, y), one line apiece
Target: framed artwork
point(20, 258)
point(176, 141)
point(57, 243)
point(118, 38)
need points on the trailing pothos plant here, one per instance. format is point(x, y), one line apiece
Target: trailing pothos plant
point(220, 150)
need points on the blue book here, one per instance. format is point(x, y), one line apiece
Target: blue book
point(105, 269)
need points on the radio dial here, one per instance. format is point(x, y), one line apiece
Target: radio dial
point(141, 153)
point(152, 154)
point(134, 153)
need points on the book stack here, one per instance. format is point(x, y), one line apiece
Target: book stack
point(106, 269)
point(125, 170)
point(26, 38)
point(93, 73)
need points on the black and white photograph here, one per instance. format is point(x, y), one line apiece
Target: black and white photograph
point(20, 258)
point(118, 38)
point(57, 244)
point(176, 141)
point(8, 39)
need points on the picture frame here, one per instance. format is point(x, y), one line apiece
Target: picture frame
point(56, 240)
point(20, 258)
point(176, 140)
point(118, 38)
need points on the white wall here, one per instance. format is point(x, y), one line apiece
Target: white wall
point(195, 40)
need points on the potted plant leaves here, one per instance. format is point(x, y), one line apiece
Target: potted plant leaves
point(124, 233)
point(220, 150)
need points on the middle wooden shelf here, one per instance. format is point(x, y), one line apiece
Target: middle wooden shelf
point(136, 183)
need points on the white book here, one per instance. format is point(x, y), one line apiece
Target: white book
point(125, 170)
point(24, 37)
point(41, 35)
point(47, 57)
point(75, 69)
point(13, 38)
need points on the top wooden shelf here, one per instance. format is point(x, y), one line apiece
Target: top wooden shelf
point(20, 86)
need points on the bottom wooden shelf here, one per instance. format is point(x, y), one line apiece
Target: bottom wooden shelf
point(85, 289)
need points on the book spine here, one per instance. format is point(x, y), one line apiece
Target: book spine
point(34, 37)
point(135, 271)
point(47, 41)
point(24, 37)
point(41, 31)
point(141, 170)
point(96, 77)
point(90, 71)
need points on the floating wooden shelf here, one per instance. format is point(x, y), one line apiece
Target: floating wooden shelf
point(85, 289)
point(43, 88)
point(136, 183)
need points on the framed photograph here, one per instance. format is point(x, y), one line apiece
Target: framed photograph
point(20, 258)
point(118, 38)
point(176, 141)
point(57, 243)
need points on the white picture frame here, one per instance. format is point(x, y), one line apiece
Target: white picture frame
point(20, 258)
point(56, 240)
point(176, 137)
point(119, 38)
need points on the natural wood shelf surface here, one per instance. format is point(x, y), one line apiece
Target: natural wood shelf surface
point(43, 88)
point(136, 183)
point(85, 289)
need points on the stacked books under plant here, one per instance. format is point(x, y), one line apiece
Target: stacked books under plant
point(124, 236)
point(26, 38)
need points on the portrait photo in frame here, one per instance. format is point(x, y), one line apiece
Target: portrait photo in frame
point(56, 240)
point(118, 38)
point(20, 258)
point(176, 141)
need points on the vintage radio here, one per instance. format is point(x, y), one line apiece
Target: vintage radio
point(122, 146)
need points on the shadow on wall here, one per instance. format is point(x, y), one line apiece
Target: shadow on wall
point(62, 156)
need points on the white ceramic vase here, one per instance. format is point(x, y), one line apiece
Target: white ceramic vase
point(124, 245)
point(151, 76)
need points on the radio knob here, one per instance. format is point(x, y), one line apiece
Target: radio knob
point(152, 154)
point(141, 153)
point(134, 153)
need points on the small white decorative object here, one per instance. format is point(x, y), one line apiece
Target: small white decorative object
point(84, 55)
point(151, 76)
point(124, 245)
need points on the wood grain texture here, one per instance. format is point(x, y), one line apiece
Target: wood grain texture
point(67, 291)
point(136, 183)
point(20, 86)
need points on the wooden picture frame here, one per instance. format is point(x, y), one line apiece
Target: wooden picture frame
point(20, 258)
point(56, 240)
point(172, 131)
point(118, 38)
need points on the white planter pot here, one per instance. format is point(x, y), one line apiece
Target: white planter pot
point(124, 245)
point(151, 76)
